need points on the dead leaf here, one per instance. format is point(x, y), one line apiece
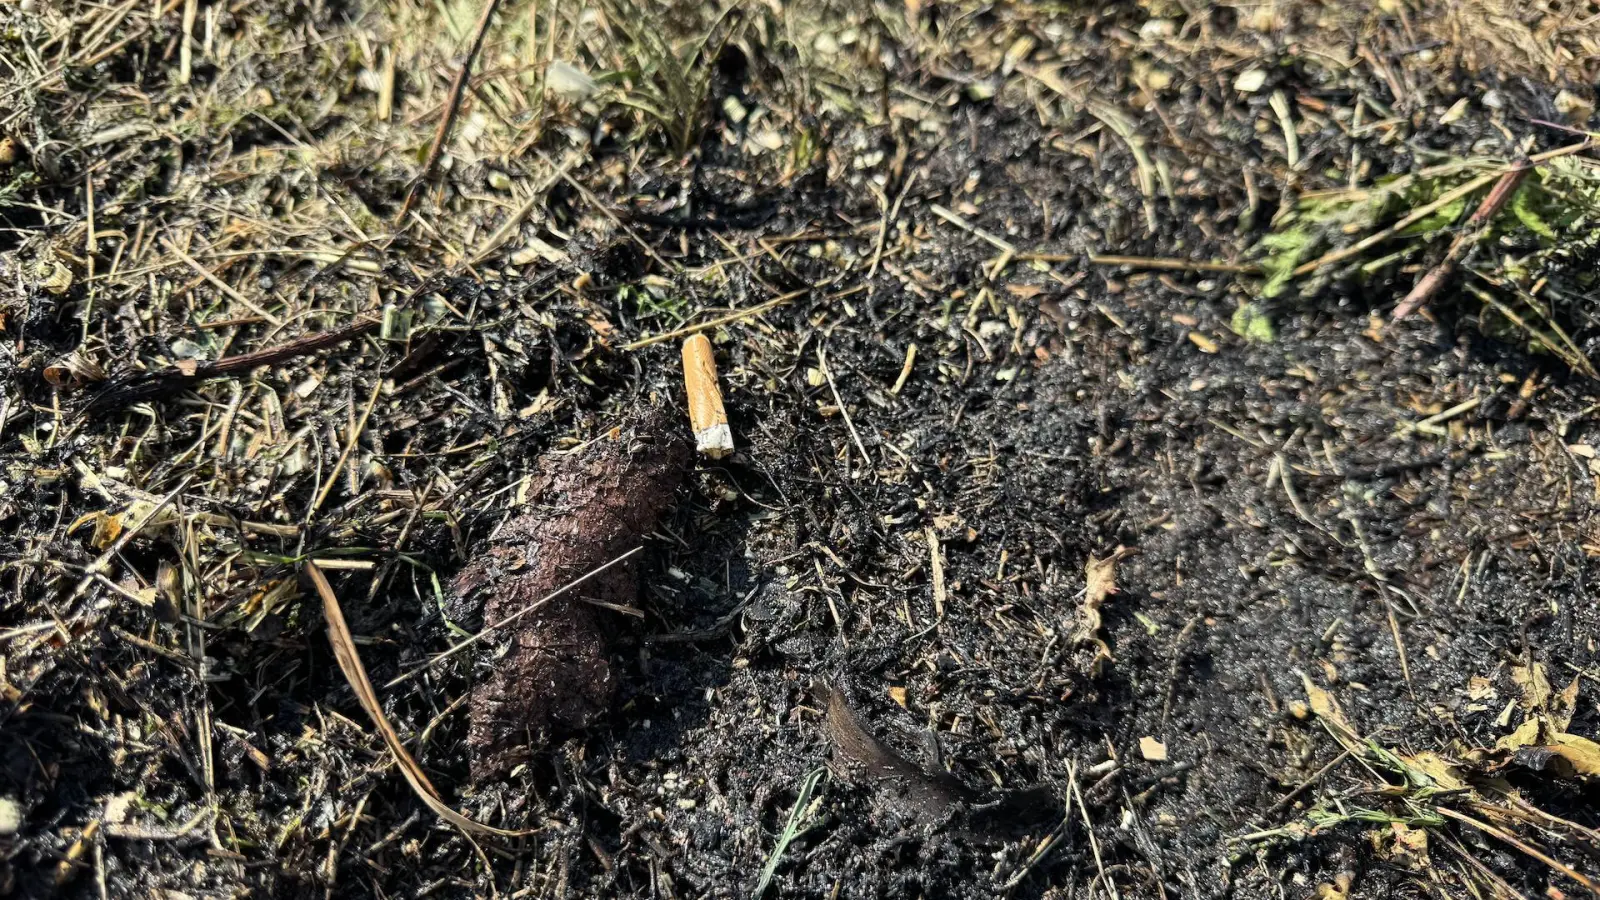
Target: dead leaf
point(1100, 577)
point(1535, 685)
point(344, 650)
point(1564, 706)
point(1526, 735)
point(1582, 753)
point(1337, 889)
point(1410, 846)
point(1152, 749)
point(1328, 710)
point(1444, 774)
point(1480, 688)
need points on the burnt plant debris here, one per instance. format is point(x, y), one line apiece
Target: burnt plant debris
point(997, 297)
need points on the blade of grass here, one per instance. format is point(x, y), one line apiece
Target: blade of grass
point(1525, 847)
point(1502, 192)
point(452, 106)
point(796, 825)
point(489, 629)
point(344, 650)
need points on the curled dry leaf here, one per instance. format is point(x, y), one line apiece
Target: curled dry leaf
point(344, 650)
point(1542, 742)
point(1100, 582)
point(1538, 746)
point(73, 371)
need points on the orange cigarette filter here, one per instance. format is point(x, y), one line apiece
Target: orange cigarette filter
point(706, 415)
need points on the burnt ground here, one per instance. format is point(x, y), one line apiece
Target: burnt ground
point(887, 581)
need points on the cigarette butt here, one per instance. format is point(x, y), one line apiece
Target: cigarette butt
point(706, 415)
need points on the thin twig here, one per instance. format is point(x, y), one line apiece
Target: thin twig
point(536, 605)
point(104, 559)
point(452, 106)
point(92, 573)
point(822, 363)
point(121, 391)
point(936, 563)
point(349, 445)
point(605, 210)
point(1415, 216)
point(1315, 777)
point(1168, 264)
point(961, 223)
point(1178, 647)
point(709, 324)
point(1088, 826)
point(219, 284)
point(1476, 227)
point(1525, 847)
point(1046, 845)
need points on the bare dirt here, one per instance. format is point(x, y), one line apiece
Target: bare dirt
point(947, 406)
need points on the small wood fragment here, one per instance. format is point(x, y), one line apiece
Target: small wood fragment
point(905, 370)
point(386, 86)
point(936, 561)
point(707, 417)
point(1504, 189)
point(186, 45)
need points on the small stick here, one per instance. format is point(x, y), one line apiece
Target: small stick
point(186, 44)
point(1430, 425)
point(1088, 826)
point(1476, 227)
point(936, 562)
point(142, 385)
point(514, 221)
point(707, 416)
point(969, 228)
point(103, 561)
point(1291, 141)
point(1399, 645)
point(605, 210)
point(350, 445)
point(1165, 264)
point(386, 86)
point(219, 284)
point(905, 370)
point(452, 106)
point(91, 574)
point(1316, 776)
point(822, 363)
point(1044, 847)
point(734, 316)
point(1416, 215)
point(488, 629)
point(1534, 852)
point(883, 224)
